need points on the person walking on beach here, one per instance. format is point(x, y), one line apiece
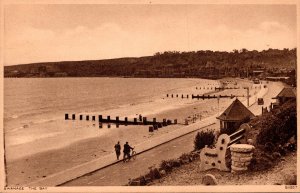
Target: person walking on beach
point(118, 150)
point(126, 151)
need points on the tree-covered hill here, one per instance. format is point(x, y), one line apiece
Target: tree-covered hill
point(202, 64)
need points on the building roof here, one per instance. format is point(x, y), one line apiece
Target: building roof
point(236, 112)
point(287, 92)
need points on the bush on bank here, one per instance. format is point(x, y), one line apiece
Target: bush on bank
point(275, 135)
point(204, 138)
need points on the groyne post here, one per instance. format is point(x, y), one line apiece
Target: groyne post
point(164, 122)
point(144, 120)
point(169, 122)
point(154, 120)
point(150, 129)
point(186, 122)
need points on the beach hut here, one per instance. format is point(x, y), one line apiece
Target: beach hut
point(285, 95)
point(235, 115)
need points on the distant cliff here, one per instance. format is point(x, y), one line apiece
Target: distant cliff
point(202, 64)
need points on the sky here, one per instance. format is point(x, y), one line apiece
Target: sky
point(65, 32)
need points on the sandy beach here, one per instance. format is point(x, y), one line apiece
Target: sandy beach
point(30, 163)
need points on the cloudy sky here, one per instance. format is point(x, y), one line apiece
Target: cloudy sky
point(42, 33)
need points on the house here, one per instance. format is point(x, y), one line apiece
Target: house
point(285, 95)
point(235, 115)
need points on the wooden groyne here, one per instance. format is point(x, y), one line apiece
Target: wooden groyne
point(136, 121)
point(192, 96)
point(225, 88)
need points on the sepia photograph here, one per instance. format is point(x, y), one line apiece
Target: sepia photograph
point(149, 96)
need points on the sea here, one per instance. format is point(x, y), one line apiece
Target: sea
point(34, 108)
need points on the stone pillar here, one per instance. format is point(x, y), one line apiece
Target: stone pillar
point(241, 155)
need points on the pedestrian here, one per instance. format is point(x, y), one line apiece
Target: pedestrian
point(118, 150)
point(126, 151)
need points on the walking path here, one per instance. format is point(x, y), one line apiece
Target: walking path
point(87, 168)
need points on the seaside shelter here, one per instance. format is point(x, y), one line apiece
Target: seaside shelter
point(235, 115)
point(285, 95)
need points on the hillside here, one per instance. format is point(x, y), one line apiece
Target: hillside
point(202, 64)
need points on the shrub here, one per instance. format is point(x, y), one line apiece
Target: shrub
point(279, 126)
point(204, 138)
point(166, 165)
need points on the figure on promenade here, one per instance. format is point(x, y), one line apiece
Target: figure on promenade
point(126, 151)
point(118, 150)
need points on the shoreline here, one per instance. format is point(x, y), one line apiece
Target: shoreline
point(147, 107)
point(31, 168)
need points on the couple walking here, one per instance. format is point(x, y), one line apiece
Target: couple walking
point(126, 150)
